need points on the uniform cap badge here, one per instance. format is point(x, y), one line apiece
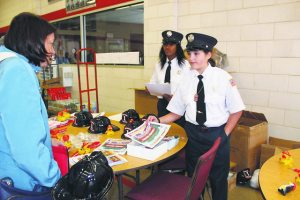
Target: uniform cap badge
point(191, 38)
point(169, 33)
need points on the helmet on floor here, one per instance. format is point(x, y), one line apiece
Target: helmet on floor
point(243, 176)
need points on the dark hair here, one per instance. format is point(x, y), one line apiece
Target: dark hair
point(179, 54)
point(211, 61)
point(26, 36)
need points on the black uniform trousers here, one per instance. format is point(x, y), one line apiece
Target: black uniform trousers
point(199, 142)
point(162, 110)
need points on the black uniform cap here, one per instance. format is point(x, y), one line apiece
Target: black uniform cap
point(198, 41)
point(171, 37)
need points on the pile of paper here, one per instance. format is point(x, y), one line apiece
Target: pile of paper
point(118, 146)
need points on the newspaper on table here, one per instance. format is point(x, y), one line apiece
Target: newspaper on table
point(53, 123)
point(149, 134)
point(118, 146)
point(112, 158)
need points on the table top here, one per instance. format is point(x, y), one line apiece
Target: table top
point(135, 163)
point(273, 174)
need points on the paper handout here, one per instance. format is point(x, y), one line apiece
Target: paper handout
point(149, 134)
point(156, 89)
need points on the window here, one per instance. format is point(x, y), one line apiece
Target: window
point(67, 40)
point(118, 30)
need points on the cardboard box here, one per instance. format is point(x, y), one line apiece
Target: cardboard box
point(276, 146)
point(140, 151)
point(284, 143)
point(231, 181)
point(246, 140)
point(267, 151)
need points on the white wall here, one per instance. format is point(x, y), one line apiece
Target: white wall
point(261, 39)
point(11, 8)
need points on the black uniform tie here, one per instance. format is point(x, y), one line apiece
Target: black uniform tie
point(168, 73)
point(201, 108)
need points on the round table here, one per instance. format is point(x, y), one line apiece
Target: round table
point(134, 163)
point(273, 174)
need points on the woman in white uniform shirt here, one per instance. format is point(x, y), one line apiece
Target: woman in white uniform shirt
point(212, 106)
point(170, 69)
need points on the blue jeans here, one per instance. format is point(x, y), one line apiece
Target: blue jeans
point(7, 190)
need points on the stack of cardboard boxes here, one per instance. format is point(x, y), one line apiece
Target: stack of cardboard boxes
point(245, 143)
point(250, 145)
point(246, 140)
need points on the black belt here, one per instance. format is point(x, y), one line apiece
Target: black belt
point(203, 128)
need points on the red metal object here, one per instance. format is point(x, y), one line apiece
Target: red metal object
point(88, 89)
point(58, 94)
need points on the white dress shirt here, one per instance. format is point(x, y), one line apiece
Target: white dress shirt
point(177, 73)
point(221, 97)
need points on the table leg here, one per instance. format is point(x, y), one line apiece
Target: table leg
point(154, 169)
point(137, 177)
point(120, 186)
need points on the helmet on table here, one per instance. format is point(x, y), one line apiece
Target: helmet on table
point(128, 115)
point(131, 125)
point(82, 118)
point(99, 125)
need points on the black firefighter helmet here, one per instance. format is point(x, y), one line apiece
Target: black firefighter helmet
point(243, 177)
point(82, 118)
point(99, 125)
point(89, 179)
point(128, 115)
point(131, 125)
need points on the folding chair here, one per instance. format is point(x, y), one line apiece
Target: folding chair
point(166, 186)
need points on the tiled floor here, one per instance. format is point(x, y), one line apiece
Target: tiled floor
point(245, 193)
point(238, 193)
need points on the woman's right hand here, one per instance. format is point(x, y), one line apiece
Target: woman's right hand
point(152, 118)
point(167, 97)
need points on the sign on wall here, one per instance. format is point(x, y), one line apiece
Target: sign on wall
point(75, 5)
point(53, 1)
